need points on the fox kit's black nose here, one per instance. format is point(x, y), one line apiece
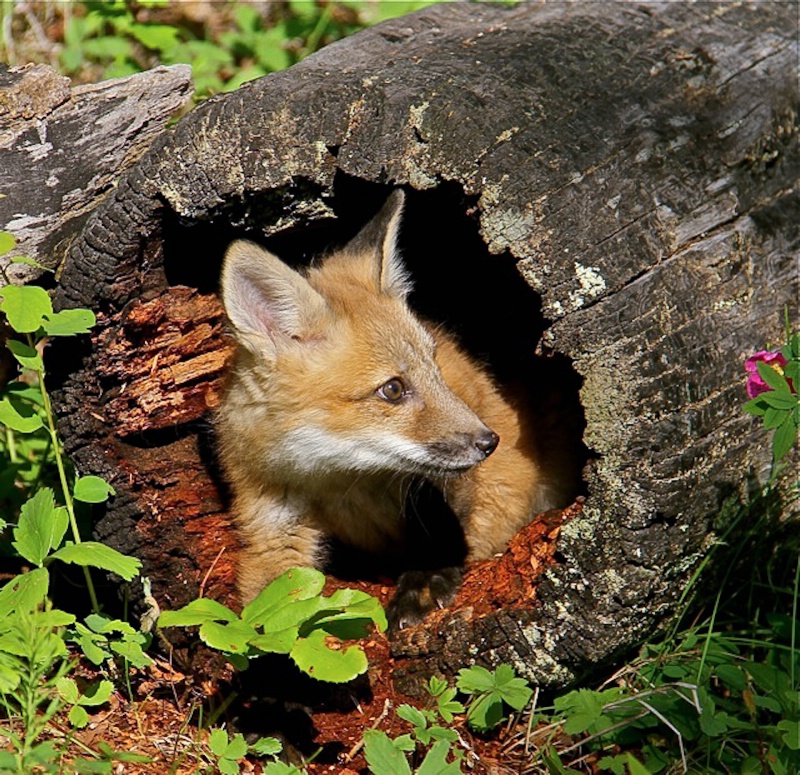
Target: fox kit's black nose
point(487, 442)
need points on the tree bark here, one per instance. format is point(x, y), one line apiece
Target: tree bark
point(635, 164)
point(61, 149)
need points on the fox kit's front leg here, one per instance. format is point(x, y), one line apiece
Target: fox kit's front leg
point(275, 540)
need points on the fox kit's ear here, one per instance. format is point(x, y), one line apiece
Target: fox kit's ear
point(267, 301)
point(379, 238)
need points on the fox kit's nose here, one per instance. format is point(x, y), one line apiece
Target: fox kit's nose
point(487, 442)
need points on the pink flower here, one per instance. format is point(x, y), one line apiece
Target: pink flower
point(756, 385)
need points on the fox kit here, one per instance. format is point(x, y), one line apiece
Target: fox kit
point(340, 399)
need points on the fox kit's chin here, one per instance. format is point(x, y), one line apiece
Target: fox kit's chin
point(338, 395)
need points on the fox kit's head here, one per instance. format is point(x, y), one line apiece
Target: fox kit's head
point(334, 372)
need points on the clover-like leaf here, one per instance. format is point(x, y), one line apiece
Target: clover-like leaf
point(25, 306)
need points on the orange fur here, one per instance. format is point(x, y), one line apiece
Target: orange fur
point(312, 441)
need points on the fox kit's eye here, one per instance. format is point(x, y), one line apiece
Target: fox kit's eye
point(393, 390)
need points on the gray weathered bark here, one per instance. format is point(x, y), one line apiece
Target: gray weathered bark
point(636, 162)
point(62, 149)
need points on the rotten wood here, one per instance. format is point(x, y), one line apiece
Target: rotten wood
point(636, 164)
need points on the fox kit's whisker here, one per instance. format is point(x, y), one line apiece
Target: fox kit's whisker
point(341, 401)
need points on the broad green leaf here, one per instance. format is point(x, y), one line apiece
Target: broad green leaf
point(25, 306)
point(582, 708)
point(69, 322)
point(279, 642)
point(159, 37)
point(25, 592)
point(68, 690)
point(266, 746)
point(327, 659)
point(486, 712)
point(756, 406)
point(233, 637)
point(772, 378)
point(790, 733)
point(237, 748)
point(93, 489)
point(475, 679)
point(96, 555)
point(228, 767)
point(513, 690)
point(784, 438)
point(218, 741)
point(412, 715)
point(775, 417)
point(435, 762)
point(41, 527)
point(78, 717)
point(197, 612)
point(28, 357)
point(19, 416)
point(283, 593)
point(131, 652)
point(713, 724)
point(779, 400)
point(382, 756)
point(635, 767)
point(7, 242)
point(97, 694)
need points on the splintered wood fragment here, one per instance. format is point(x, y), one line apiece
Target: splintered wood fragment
point(169, 356)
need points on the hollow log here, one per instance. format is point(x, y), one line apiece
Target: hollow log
point(611, 187)
point(62, 148)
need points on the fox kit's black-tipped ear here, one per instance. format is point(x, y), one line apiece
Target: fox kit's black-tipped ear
point(379, 237)
point(267, 301)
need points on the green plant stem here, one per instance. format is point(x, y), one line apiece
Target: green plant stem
point(62, 476)
point(12, 447)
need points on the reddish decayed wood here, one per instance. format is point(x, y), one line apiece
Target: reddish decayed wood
point(165, 358)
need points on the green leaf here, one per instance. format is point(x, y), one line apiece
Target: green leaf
point(784, 438)
point(97, 694)
point(635, 767)
point(280, 642)
point(233, 637)
point(775, 417)
point(514, 691)
point(197, 612)
point(218, 741)
point(237, 748)
point(435, 762)
point(382, 756)
point(68, 690)
point(92, 489)
point(485, 712)
point(96, 555)
point(779, 400)
point(131, 652)
point(25, 306)
point(314, 655)
point(25, 592)
point(19, 416)
point(412, 715)
point(294, 585)
point(756, 406)
point(790, 733)
point(7, 242)
point(772, 378)
point(41, 527)
point(78, 717)
point(472, 680)
point(266, 746)
point(158, 37)
point(582, 708)
point(27, 261)
point(28, 357)
point(69, 322)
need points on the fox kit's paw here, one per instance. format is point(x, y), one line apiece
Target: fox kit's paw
point(419, 592)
